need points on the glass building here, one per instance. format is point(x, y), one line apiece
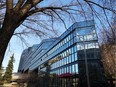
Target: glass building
point(74, 58)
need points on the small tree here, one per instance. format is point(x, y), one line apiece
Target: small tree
point(8, 74)
point(1, 74)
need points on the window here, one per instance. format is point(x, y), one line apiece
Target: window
point(72, 50)
point(63, 54)
point(90, 55)
point(61, 63)
point(71, 41)
point(60, 71)
point(75, 49)
point(76, 68)
point(91, 45)
point(75, 56)
point(96, 45)
point(64, 61)
point(67, 69)
point(75, 39)
point(70, 67)
point(73, 68)
point(69, 37)
point(69, 59)
point(80, 46)
point(93, 31)
point(89, 37)
point(94, 36)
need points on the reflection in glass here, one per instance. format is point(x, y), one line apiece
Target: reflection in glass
point(91, 45)
point(75, 56)
point(76, 68)
point(73, 68)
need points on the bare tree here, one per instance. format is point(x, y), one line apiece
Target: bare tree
point(16, 14)
point(23, 12)
point(109, 49)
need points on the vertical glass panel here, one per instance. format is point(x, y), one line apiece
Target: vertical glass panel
point(80, 46)
point(73, 68)
point(91, 45)
point(76, 68)
point(69, 51)
point(94, 36)
point(67, 69)
point(64, 61)
point(66, 39)
point(57, 64)
point(60, 71)
point(54, 65)
point(67, 44)
point(75, 39)
point(96, 45)
point(72, 51)
point(93, 31)
point(69, 59)
point(81, 38)
point(89, 37)
point(70, 69)
point(63, 54)
point(85, 37)
point(75, 48)
point(86, 46)
point(71, 42)
point(75, 56)
point(60, 62)
point(69, 37)
point(85, 30)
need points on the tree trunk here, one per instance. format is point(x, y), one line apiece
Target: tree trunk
point(5, 36)
point(11, 21)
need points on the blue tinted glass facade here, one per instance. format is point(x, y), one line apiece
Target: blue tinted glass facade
point(74, 57)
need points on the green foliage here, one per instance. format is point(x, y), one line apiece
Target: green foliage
point(9, 69)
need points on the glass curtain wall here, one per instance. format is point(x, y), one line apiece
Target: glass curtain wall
point(76, 59)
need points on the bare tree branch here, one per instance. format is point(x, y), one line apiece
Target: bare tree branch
point(28, 5)
point(9, 5)
point(19, 4)
point(60, 18)
point(103, 7)
point(42, 9)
